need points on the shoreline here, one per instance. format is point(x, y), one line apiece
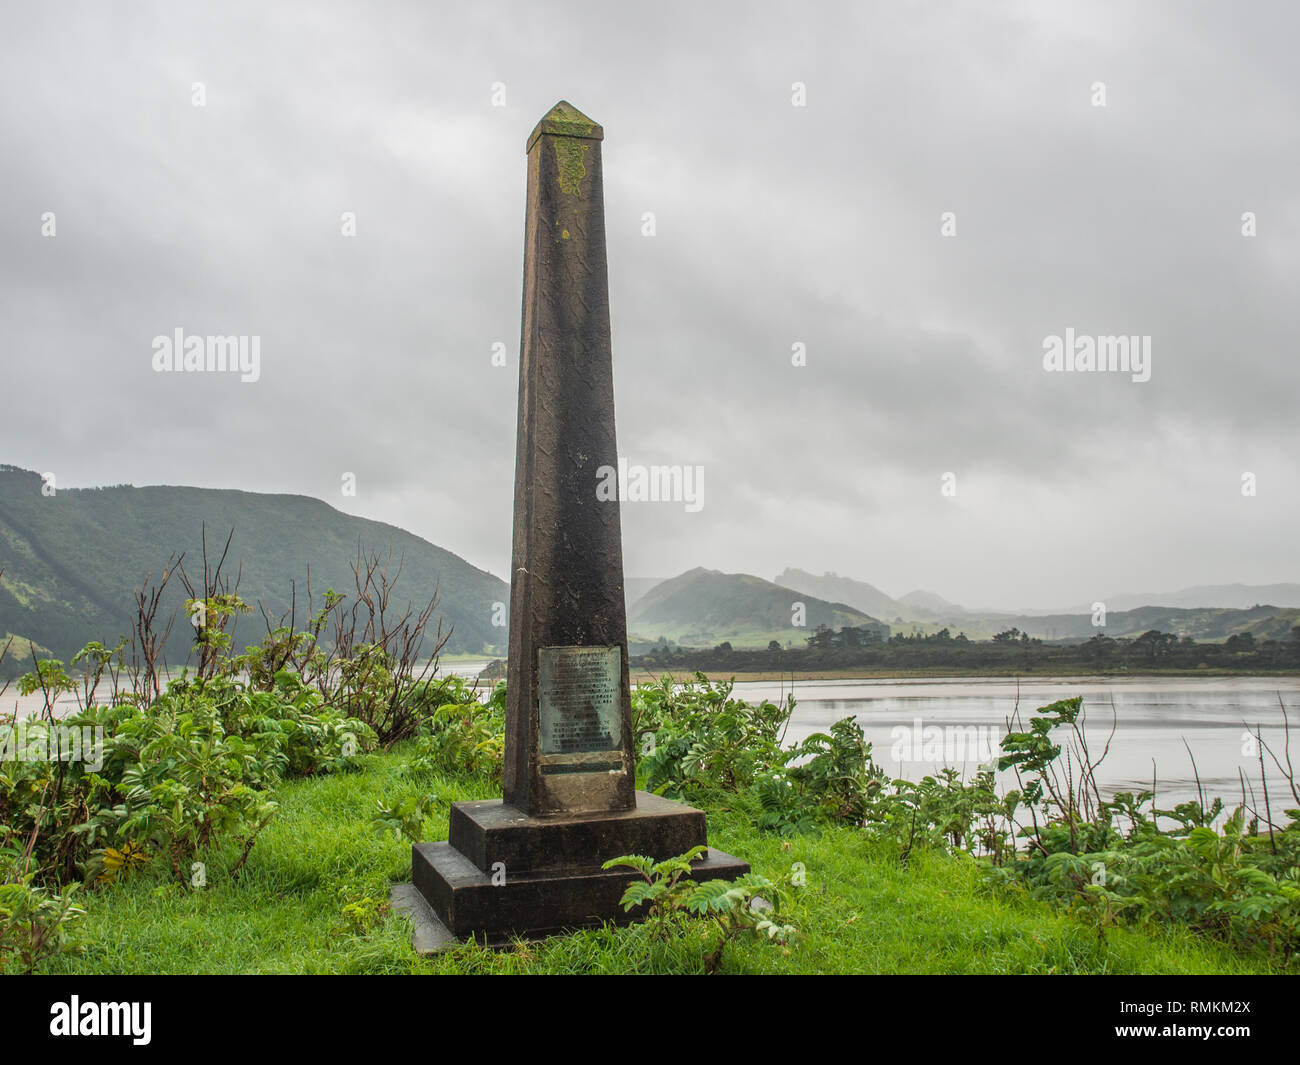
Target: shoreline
point(643, 675)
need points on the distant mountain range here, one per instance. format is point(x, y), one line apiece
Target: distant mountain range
point(924, 606)
point(1235, 596)
point(1203, 623)
point(1209, 612)
point(71, 560)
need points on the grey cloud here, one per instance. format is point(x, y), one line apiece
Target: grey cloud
point(775, 224)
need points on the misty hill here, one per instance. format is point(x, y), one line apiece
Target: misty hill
point(72, 560)
point(836, 589)
point(928, 603)
point(705, 607)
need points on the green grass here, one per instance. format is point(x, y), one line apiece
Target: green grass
point(862, 910)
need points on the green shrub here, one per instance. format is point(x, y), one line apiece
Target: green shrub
point(696, 737)
point(458, 734)
point(196, 766)
point(829, 778)
point(674, 904)
point(33, 921)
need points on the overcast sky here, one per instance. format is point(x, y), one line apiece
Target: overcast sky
point(774, 225)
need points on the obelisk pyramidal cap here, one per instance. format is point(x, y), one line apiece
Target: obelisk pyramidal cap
point(568, 726)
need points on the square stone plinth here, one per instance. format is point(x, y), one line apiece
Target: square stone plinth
point(493, 831)
point(470, 905)
point(504, 873)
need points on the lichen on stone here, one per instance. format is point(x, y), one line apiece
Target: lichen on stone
point(568, 120)
point(568, 159)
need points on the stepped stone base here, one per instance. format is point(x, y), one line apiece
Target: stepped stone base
point(547, 870)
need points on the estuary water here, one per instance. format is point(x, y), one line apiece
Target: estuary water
point(918, 726)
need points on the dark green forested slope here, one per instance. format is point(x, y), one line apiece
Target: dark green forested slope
point(71, 561)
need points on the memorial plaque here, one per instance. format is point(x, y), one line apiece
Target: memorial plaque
point(578, 699)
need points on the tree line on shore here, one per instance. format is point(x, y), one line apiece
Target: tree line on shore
point(1010, 651)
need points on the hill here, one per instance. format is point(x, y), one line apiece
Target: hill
point(706, 607)
point(836, 589)
point(72, 560)
point(929, 604)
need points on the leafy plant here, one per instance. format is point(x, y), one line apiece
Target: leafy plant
point(116, 863)
point(33, 921)
point(459, 734)
point(361, 912)
point(405, 818)
point(696, 737)
point(749, 905)
point(828, 778)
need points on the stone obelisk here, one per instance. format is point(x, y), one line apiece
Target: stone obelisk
point(569, 718)
point(530, 863)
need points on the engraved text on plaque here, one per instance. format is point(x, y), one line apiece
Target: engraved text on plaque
point(579, 708)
